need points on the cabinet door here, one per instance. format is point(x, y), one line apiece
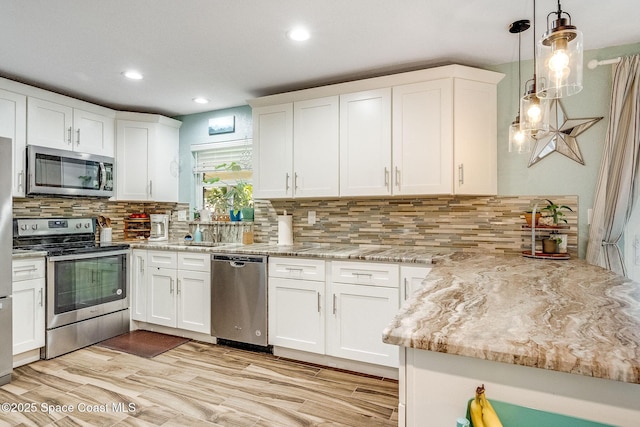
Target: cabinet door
point(365, 143)
point(163, 164)
point(475, 145)
point(315, 147)
point(273, 151)
point(139, 285)
point(194, 301)
point(93, 133)
point(28, 315)
point(133, 140)
point(354, 332)
point(411, 278)
point(296, 314)
point(13, 124)
point(423, 138)
point(49, 124)
point(161, 296)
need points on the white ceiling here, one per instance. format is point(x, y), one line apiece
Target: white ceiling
point(233, 50)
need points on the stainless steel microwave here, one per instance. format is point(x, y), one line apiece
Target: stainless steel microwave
point(51, 171)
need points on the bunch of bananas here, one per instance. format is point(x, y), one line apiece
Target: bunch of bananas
point(482, 413)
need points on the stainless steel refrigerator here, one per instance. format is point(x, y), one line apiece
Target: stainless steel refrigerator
point(6, 243)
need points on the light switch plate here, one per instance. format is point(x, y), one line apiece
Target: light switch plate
point(182, 215)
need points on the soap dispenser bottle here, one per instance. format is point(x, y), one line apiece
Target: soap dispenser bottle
point(198, 234)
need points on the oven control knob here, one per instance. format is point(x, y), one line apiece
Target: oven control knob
point(34, 227)
point(87, 225)
point(78, 225)
point(24, 227)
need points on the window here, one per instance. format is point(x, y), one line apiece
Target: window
point(222, 175)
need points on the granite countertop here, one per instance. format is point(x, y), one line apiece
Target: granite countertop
point(22, 253)
point(404, 254)
point(566, 316)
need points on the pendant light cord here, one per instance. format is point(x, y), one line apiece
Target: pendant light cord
point(535, 78)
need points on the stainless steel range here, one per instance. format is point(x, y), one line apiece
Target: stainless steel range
point(87, 282)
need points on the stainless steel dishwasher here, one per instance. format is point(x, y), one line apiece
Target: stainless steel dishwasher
point(239, 298)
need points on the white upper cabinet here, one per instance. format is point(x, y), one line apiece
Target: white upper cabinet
point(273, 151)
point(315, 147)
point(13, 124)
point(424, 132)
point(147, 158)
point(423, 138)
point(365, 143)
point(475, 137)
point(56, 125)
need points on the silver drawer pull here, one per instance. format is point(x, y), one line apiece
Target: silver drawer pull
point(319, 307)
point(335, 309)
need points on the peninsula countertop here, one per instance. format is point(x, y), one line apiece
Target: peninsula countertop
point(562, 315)
point(566, 316)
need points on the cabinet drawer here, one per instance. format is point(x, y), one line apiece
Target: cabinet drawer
point(29, 268)
point(162, 259)
point(297, 268)
point(364, 273)
point(194, 261)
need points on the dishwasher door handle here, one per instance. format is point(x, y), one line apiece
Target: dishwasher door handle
point(236, 264)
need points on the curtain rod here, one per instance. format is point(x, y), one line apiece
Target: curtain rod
point(595, 63)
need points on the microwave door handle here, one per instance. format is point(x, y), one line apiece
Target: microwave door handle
point(103, 176)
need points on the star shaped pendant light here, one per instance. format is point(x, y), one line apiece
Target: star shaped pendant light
point(562, 135)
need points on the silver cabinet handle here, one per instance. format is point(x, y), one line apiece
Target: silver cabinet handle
point(397, 178)
point(41, 293)
point(286, 181)
point(335, 309)
point(295, 181)
point(78, 136)
point(178, 287)
point(69, 131)
point(150, 188)
point(386, 177)
point(319, 306)
point(406, 295)
point(461, 174)
point(141, 265)
point(20, 179)
point(170, 286)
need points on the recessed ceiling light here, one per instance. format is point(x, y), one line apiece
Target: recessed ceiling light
point(133, 75)
point(299, 34)
point(200, 100)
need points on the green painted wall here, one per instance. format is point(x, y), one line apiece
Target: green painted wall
point(195, 130)
point(557, 174)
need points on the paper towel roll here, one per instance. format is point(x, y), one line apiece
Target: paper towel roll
point(285, 230)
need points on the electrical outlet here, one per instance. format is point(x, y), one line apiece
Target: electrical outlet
point(182, 215)
point(311, 217)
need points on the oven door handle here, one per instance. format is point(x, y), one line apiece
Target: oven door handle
point(86, 255)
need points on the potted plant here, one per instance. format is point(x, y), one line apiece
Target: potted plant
point(550, 245)
point(528, 216)
point(555, 212)
point(235, 197)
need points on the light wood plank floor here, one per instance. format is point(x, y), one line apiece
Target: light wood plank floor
point(195, 384)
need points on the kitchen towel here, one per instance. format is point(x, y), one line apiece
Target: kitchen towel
point(285, 230)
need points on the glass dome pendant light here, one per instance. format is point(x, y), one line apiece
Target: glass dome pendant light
point(560, 52)
point(519, 142)
point(535, 111)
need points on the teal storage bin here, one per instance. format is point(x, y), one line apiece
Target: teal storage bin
point(520, 416)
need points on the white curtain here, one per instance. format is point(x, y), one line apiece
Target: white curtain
point(618, 181)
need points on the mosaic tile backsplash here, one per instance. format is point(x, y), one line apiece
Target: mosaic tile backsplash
point(492, 224)
point(470, 223)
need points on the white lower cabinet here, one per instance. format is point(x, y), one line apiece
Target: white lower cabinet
point(364, 298)
point(28, 277)
point(411, 278)
point(346, 321)
point(173, 289)
point(296, 304)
